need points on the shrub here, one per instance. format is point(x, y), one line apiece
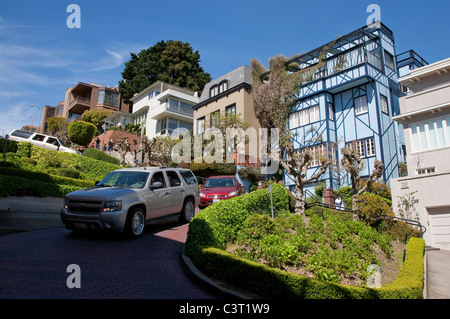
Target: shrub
point(18, 186)
point(275, 283)
point(219, 223)
point(371, 207)
point(11, 146)
point(24, 149)
point(210, 230)
point(92, 169)
point(100, 155)
point(81, 132)
point(69, 172)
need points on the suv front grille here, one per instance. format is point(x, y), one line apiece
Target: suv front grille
point(89, 207)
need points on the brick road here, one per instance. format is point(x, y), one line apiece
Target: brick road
point(33, 265)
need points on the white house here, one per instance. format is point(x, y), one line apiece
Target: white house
point(425, 115)
point(162, 107)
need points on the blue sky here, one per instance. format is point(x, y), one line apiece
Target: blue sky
point(40, 57)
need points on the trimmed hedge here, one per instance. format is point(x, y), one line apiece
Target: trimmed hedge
point(18, 186)
point(101, 156)
point(92, 169)
point(219, 223)
point(43, 177)
point(212, 228)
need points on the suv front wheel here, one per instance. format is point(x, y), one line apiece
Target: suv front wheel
point(135, 224)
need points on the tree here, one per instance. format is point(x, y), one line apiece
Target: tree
point(274, 94)
point(352, 162)
point(81, 132)
point(96, 117)
point(174, 62)
point(57, 126)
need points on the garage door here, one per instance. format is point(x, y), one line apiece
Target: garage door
point(439, 219)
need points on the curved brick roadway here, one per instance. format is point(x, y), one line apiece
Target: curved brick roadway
point(33, 265)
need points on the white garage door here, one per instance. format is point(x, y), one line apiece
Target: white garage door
point(440, 227)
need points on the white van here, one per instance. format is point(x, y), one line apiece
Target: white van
point(42, 140)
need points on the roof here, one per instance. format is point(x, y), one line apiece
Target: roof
point(426, 71)
point(236, 78)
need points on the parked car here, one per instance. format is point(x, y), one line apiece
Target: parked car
point(127, 198)
point(42, 140)
point(218, 188)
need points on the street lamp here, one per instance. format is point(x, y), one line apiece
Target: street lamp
point(39, 121)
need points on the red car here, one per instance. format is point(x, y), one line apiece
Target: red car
point(218, 188)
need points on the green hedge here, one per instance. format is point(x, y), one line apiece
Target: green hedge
point(213, 227)
point(42, 177)
point(219, 223)
point(101, 156)
point(92, 169)
point(18, 186)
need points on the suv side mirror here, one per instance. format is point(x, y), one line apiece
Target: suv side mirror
point(156, 185)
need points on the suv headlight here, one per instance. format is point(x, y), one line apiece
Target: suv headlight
point(112, 206)
point(233, 193)
point(202, 195)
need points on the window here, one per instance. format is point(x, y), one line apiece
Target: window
point(370, 149)
point(161, 126)
point(304, 117)
point(39, 138)
point(213, 91)
point(314, 114)
point(188, 177)
point(223, 86)
point(384, 104)
point(293, 120)
point(108, 97)
point(430, 135)
point(331, 111)
point(317, 152)
point(230, 109)
point(174, 180)
point(201, 125)
point(389, 60)
point(422, 171)
point(365, 148)
point(152, 94)
point(23, 134)
point(360, 105)
point(214, 120)
point(52, 140)
point(158, 177)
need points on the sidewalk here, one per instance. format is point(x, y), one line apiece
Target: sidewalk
point(437, 274)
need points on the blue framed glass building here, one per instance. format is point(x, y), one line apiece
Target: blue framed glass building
point(350, 102)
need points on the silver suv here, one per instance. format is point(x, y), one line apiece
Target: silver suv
point(127, 198)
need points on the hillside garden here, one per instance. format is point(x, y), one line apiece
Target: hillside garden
point(27, 170)
point(323, 254)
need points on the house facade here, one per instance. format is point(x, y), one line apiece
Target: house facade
point(162, 108)
point(350, 102)
point(84, 97)
point(228, 94)
point(425, 117)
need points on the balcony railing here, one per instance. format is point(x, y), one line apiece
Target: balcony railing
point(346, 61)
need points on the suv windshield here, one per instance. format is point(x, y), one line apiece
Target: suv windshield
point(125, 179)
point(219, 182)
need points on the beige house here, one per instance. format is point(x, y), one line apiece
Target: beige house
point(228, 94)
point(425, 115)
